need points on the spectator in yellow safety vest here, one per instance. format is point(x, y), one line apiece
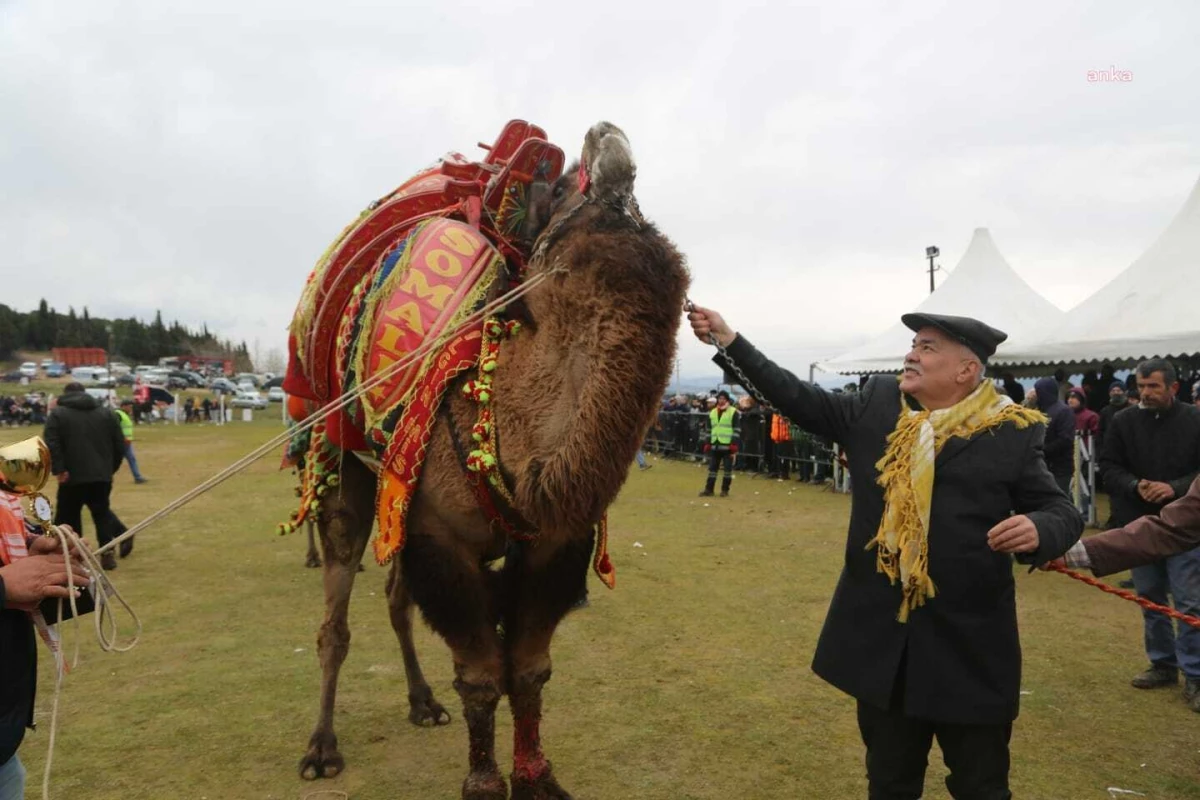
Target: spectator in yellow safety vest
point(127, 432)
point(724, 438)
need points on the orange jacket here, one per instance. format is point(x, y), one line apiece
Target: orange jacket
point(780, 429)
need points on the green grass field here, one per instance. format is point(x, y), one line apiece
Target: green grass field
point(691, 680)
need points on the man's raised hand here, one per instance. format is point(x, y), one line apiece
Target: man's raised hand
point(706, 322)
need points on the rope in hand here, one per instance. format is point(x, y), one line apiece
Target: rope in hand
point(105, 594)
point(1126, 595)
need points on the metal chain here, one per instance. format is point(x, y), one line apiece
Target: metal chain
point(689, 306)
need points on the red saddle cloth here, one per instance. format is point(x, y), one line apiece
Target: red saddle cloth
point(485, 195)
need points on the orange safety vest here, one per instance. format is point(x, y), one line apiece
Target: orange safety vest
point(780, 429)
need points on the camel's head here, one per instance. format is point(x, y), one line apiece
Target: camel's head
point(604, 175)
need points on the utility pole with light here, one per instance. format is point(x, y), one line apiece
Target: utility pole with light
point(931, 253)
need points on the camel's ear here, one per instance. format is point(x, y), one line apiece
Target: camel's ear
point(607, 169)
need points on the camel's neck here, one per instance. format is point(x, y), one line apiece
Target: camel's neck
point(574, 396)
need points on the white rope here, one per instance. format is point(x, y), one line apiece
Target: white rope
point(104, 591)
point(335, 405)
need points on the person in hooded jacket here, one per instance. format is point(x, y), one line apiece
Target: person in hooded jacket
point(1086, 420)
point(1060, 432)
point(86, 449)
point(1118, 401)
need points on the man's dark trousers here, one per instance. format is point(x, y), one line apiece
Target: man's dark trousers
point(720, 454)
point(898, 753)
point(73, 497)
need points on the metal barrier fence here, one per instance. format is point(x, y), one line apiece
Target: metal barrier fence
point(683, 434)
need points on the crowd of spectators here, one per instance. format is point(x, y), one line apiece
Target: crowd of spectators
point(769, 443)
point(28, 409)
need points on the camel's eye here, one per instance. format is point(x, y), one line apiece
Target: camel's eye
point(559, 190)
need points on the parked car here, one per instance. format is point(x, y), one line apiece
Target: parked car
point(11, 377)
point(106, 397)
point(175, 382)
point(118, 369)
point(28, 370)
point(248, 399)
point(56, 369)
point(275, 394)
point(93, 376)
point(275, 381)
point(222, 386)
point(46, 362)
point(125, 380)
point(243, 377)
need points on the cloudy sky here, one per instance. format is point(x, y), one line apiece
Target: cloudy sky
point(198, 157)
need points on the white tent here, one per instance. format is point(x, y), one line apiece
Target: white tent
point(1148, 310)
point(982, 286)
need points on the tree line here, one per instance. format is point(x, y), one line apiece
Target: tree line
point(125, 339)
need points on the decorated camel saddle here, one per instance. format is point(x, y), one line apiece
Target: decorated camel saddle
point(413, 266)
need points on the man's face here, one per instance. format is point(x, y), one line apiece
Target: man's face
point(1073, 402)
point(1154, 390)
point(722, 402)
point(1116, 395)
point(936, 367)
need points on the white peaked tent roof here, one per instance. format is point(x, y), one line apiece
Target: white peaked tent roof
point(1148, 310)
point(982, 286)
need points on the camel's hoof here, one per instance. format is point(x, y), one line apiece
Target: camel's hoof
point(485, 786)
point(543, 787)
point(426, 712)
point(313, 560)
point(322, 759)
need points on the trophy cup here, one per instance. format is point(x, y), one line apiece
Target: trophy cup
point(24, 470)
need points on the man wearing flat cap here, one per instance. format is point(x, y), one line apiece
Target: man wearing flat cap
point(949, 485)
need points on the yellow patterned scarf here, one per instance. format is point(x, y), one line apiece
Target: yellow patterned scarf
point(906, 475)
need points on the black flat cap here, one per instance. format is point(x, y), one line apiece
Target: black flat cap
point(980, 338)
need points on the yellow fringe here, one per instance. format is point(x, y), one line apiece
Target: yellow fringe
point(906, 473)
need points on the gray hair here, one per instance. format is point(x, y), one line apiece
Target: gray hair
point(1153, 365)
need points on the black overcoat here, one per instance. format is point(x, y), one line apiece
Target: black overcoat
point(960, 651)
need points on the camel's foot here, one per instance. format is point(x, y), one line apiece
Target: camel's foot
point(425, 711)
point(322, 759)
point(485, 786)
point(312, 560)
point(542, 787)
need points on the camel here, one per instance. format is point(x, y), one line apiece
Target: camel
point(573, 395)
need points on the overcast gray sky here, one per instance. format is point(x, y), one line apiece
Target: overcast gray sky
point(198, 157)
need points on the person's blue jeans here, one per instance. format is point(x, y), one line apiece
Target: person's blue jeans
point(12, 779)
point(132, 459)
point(641, 459)
point(1178, 576)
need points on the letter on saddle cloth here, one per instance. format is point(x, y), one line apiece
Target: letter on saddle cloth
point(519, 154)
point(445, 271)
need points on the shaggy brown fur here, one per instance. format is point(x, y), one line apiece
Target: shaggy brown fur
point(573, 395)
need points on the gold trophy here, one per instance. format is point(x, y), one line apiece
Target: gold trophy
point(24, 470)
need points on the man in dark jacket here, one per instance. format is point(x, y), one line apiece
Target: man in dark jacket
point(1060, 432)
point(86, 449)
point(922, 628)
point(1151, 456)
point(31, 570)
point(1118, 401)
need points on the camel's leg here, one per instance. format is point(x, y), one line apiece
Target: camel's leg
point(312, 558)
point(455, 594)
point(541, 585)
point(345, 527)
point(423, 709)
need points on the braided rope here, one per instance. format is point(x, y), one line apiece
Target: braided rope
point(337, 404)
point(1126, 595)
